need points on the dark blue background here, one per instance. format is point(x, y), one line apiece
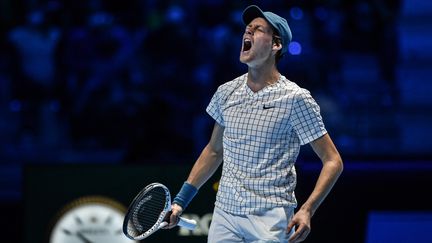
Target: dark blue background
point(127, 82)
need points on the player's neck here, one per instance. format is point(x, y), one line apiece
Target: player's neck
point(260, 77)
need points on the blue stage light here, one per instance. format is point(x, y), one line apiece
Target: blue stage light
point(294, 48)
point(175, 14)
point(296, 13)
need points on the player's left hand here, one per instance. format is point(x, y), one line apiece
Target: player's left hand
point(302, 223)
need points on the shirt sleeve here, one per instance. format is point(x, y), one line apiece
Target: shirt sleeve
point(214, 108)
point(306, 118)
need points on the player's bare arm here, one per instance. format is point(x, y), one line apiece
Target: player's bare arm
point(209, 160)
point(205, 166)
point(332, 168)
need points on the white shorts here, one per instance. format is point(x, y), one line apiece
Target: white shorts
point(269, 226)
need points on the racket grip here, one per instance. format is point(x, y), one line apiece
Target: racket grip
point(187, 223)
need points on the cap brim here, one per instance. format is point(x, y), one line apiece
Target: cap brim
point(252, 12)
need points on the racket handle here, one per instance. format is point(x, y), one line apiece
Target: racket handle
point(189, 224)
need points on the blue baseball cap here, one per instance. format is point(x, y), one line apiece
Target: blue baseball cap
point(279, 24)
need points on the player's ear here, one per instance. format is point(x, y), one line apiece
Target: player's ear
point(277, 44)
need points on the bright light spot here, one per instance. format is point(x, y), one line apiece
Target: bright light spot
point(175, 14)
point(294, 48)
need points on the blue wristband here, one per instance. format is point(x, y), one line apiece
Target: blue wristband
point(185, 195)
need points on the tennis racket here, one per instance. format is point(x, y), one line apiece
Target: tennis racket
point(147, 212)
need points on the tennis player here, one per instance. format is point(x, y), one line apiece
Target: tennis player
point(261, 120)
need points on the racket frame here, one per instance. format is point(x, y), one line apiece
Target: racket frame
point(135, 202)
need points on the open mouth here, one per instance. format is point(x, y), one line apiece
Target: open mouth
point(247, 44)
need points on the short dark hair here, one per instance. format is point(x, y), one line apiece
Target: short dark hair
point(278, 41)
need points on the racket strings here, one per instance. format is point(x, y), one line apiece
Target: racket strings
point(147, 211)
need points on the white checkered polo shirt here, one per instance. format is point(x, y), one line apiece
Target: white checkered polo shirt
point(261, 141)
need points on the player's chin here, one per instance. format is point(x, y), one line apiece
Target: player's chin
point(244, 57)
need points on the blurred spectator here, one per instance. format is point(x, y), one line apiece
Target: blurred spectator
point(103, 78)
point(388, 15)
point(34, 83)
point(371, 28)
point(328, 25)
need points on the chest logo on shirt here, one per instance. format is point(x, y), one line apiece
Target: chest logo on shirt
point(266, 107)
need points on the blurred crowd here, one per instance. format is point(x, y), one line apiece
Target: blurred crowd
point(135, 76)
